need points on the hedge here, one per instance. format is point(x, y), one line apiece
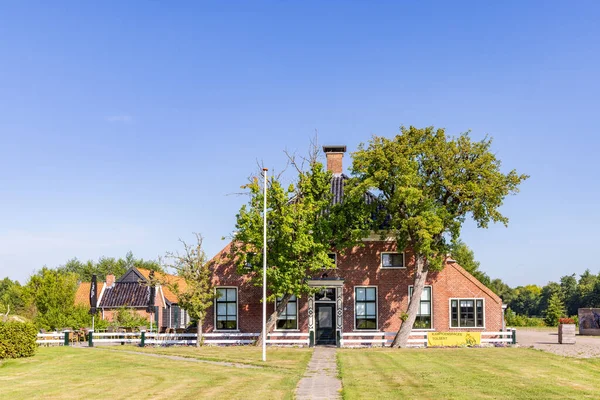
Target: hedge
point(17, 339)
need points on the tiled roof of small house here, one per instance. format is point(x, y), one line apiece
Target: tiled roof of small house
point(82, 295)
point(169, 279)
point(125, 294)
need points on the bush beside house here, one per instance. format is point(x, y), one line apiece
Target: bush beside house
point(17, 339)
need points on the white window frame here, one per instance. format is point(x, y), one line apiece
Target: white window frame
point(237, 309)
point(376, 307)
point(248, 265)
point(430, 307)
point(392, 252)
point(334, 257)
point(475, 305)
point(297, 321)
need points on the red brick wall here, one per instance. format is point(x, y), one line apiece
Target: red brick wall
point(361, 267)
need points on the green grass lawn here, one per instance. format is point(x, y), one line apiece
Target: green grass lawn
point(75, 373)
point(487, 373)
point(277, 357)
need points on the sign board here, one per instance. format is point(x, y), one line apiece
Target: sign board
point(453, 338)
point(589, 321)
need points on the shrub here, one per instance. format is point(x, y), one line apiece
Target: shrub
point(128, 318)
point(514, 320)
point(566, 321)
point(17, 339)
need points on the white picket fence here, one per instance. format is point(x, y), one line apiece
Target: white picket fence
point(348, 339)
point(416, 338)
point(52, 338)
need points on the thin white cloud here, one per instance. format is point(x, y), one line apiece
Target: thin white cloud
point(120, 118)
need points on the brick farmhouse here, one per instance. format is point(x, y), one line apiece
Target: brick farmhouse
point(367, 292)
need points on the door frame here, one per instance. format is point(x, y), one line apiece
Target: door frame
point(330, 305)
point(338, 285)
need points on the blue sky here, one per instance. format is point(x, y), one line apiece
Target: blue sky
point(128, 125)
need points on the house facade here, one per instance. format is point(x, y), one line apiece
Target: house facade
point(367, 292)
point(132, 291)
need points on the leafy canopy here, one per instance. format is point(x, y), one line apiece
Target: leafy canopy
point(196, 293)
point(304, 225)
point(427, 184)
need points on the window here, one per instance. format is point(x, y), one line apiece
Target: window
point(250, 260)
point(226, 304)
point(289, 317)
point(333, 257)
point(423, 320)
point(392, 260)
point(365, 307)
point(466, 313)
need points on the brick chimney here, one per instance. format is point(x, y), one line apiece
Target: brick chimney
point(110, 280)
point(334, 156)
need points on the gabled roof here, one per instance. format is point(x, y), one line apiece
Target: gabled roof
point(82, 295)
point(170, 280)
point(337, 188)
point(476, 281)
point(125, 294)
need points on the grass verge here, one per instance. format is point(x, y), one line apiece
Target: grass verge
point(75, 373)
point(487, 373)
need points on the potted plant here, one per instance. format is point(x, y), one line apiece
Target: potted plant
point(566, 331)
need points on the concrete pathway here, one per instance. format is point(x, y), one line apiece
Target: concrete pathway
point(320, 380)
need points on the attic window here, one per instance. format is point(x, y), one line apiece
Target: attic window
point(250, 259)
point(333, 257)
point(392, 260)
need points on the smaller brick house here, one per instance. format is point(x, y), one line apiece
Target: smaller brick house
point(367, 292)
point(132, 291)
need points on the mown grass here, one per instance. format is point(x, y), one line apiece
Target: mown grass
point(487, 373)
point(277, 357)
point(75, 373)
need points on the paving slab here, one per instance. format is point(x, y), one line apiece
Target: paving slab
point(320, 381)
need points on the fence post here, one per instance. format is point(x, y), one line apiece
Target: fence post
point(311, 339)
point(514, 336)
point(338, 341)
point(143, 341)
point(66, 343)
point(90, 339)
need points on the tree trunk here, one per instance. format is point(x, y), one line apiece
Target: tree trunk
point(272, 320)
point(421, 269)
point(199, 337)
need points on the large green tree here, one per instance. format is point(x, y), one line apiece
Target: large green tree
point(304, 225)
point(52, 293)
point(427, 185)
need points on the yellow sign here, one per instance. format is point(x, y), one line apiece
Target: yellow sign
point(453, 338)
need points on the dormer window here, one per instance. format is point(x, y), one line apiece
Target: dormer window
point(250, 259)
point(333, 257)
point(392, 260)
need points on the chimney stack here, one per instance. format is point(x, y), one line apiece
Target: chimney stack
point(110, 280)
point(334, 156)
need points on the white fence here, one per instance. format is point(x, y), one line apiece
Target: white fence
point(349, 339)
point(416, 338)
point(53, 338)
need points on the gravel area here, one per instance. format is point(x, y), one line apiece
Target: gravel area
point(584, 347)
